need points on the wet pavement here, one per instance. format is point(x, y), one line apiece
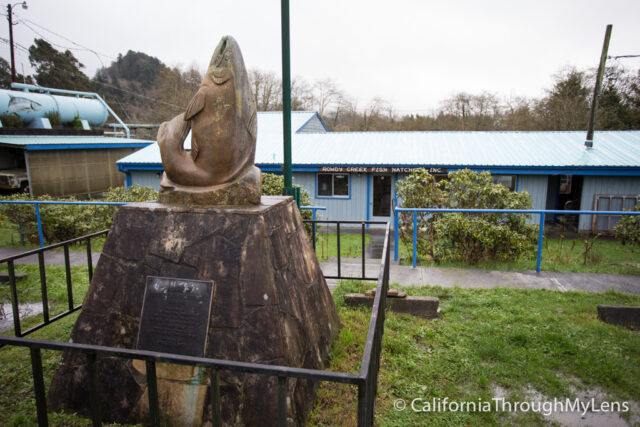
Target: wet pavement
point(485, 279)
point(422, 276)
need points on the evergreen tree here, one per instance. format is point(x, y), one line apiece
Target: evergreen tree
point(56, 69)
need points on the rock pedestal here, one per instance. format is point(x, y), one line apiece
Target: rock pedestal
point(270, 305)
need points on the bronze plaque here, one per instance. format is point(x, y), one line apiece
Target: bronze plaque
point(175, 316)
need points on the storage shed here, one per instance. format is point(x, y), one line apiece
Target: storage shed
point(67, 165)
point(353, 174)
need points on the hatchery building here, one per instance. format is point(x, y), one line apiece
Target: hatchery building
point(353, 174)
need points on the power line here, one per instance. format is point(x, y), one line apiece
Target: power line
point(623, 56)
point(7, 41)
point(81, 48)
point(68, 39)
point(137, 94)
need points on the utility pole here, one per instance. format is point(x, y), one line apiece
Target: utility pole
point(465, 101)
point(13, 63)
point(596, 90)
point(10, 19)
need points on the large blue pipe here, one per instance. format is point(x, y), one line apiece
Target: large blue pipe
point(30, 105)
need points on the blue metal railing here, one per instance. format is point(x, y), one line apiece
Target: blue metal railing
point(55, 202)
point(503, 211)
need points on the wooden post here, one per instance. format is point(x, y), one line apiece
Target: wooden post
point(596, 90)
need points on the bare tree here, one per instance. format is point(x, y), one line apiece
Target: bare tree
point(266, 89)
point(327, 95)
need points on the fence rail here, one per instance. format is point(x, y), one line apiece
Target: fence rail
point(10, 261)
point(363, 226)
point(539, 212)
point(365, 380)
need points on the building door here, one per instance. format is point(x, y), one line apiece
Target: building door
point(380, 204)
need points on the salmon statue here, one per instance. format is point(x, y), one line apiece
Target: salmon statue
point(219, 169)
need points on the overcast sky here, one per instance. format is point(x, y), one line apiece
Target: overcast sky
point(412, 53)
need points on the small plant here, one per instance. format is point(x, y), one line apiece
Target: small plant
point(627, 230)
point(54, 119)
point(560, 255)
point(77, 123)
point(590, 253)
point(11, 121)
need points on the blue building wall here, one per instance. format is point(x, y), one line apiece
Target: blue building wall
point(146, 178)
point(357, 206)
point(593, 185)
point(352, 208)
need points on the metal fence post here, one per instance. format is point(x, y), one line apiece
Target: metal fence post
point(395, 232)
point(152, 390)
point(38, 386)
point(314, 228)
point(282, 401)
point(14, 299)
point(415, 237)
point(540, 237)
point(40, 233)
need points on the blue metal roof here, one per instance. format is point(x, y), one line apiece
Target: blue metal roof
point(515, 150)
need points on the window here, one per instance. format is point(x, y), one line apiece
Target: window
point(508, 181)
point(610, 202)
point(333, 185)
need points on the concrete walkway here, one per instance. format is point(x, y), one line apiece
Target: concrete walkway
point(485, 279)
point(420, 276)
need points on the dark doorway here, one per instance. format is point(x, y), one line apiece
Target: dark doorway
point(564, 193)
point(381, 195)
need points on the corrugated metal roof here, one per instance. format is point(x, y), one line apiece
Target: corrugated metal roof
point(24, 140)
point(516, 149)
point(464, 149)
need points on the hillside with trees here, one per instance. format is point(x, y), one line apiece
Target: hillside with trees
point(142, 89)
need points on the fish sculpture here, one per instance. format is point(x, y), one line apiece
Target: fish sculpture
point(219, 169)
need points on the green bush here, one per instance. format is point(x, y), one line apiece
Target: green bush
point(64, 222)
point(467, 237)
point(272, 185)
point(628, 229)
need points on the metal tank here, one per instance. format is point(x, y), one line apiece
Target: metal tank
point(29, 106)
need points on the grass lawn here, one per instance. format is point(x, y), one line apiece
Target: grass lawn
point(489, 343)
point(350, 245)
point(29, 287)
point(606, 256)
point(507, 342)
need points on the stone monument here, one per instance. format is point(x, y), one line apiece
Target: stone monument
point(270, 302)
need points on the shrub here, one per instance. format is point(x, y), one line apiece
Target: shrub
point(11, 121)
point(628, 229)
point(272, 185)
point(466, 237)
point(64, 222)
